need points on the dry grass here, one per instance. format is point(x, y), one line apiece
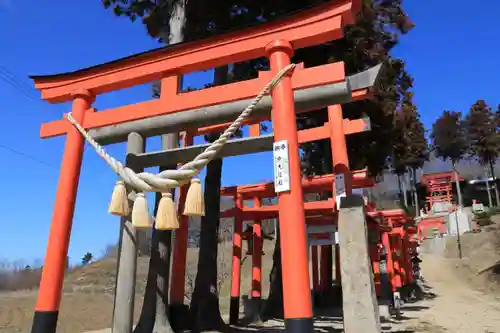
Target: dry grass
point(88, 291)
point(87, 301)
point(480, 265)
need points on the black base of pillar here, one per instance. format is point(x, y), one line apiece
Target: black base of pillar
point(45, 322)
point(179, 316)
point(299, 325)
point(316, 299)
point(234, 310)
point(257, 309)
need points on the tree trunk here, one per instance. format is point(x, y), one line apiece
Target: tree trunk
point(457, 185)
point(414, 189)
point(153, 316)
point(490, 201)
point(402, 191)
point(495, 182)
point(177, 23)
point(205, 301)
point(405, 190)
point(273, 307)
point(126, 272)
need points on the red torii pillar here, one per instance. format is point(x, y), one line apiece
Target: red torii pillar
point(234, 304)
point(314, 267)
point(179, 255)
point(340, 163)
point(257, 241)
point(49, 294)
point(257, 258)
point(407, 258)
point(389, 262)
point(297, 304)
point(396, 261)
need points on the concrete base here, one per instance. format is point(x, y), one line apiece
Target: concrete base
point(384, 311)
point(361, 310)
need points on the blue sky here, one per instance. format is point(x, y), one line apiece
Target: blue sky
point(450, 53)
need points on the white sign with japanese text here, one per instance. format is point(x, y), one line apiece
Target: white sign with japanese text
point(281, 166)
point(339, 188)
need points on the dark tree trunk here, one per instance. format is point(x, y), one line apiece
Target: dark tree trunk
point(154, 318)
point(488, 190)
point(495, 182)
point(416, 203)
point(402, 190)
point(154, 313)
point(457, 184)
point(205, 301)
point(273, 307)
point(204, 307)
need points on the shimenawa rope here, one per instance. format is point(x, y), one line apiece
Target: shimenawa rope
point(168, 179)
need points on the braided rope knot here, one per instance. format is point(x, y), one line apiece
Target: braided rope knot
point(169, 179)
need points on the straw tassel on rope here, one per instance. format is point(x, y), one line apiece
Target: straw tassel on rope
point(140, 212)
point(119, 204)
point(195, 202)
point(166, 216)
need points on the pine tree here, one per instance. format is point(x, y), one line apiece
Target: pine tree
point(410, 144)
point(484, 137)
point(166, 21)
point(87, 258)
point(449, 141)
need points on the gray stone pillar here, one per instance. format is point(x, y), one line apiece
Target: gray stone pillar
point(360, 308)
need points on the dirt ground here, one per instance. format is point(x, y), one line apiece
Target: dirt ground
point(461, 296)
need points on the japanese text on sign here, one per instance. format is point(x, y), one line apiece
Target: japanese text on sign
point(281, 166)
point(339, 188)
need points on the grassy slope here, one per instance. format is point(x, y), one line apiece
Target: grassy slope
point(87, 302)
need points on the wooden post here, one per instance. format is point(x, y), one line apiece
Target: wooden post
point(396, 262)
point(257, 261)
point(51, 282)
point(338, 276)
point(389, 263)
point(177, 286)
point(361, 313)
point(409, 267)
point(254, 131)
point(297, 304)
point(234, 305)
point(324, 270)
point(340, 161)
point(373, 250)
point(314, 267)
point(123, 308)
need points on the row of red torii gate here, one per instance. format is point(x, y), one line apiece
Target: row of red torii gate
point(362, 230)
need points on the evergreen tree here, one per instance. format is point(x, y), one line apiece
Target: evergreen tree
point(410, 146)
point(449, 141)
point(87, 258)
point(166, 21)
point(484, 138)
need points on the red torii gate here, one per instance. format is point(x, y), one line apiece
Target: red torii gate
point(277, 41)
point(440, 188)
point(317, 213)
point(398, 241)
